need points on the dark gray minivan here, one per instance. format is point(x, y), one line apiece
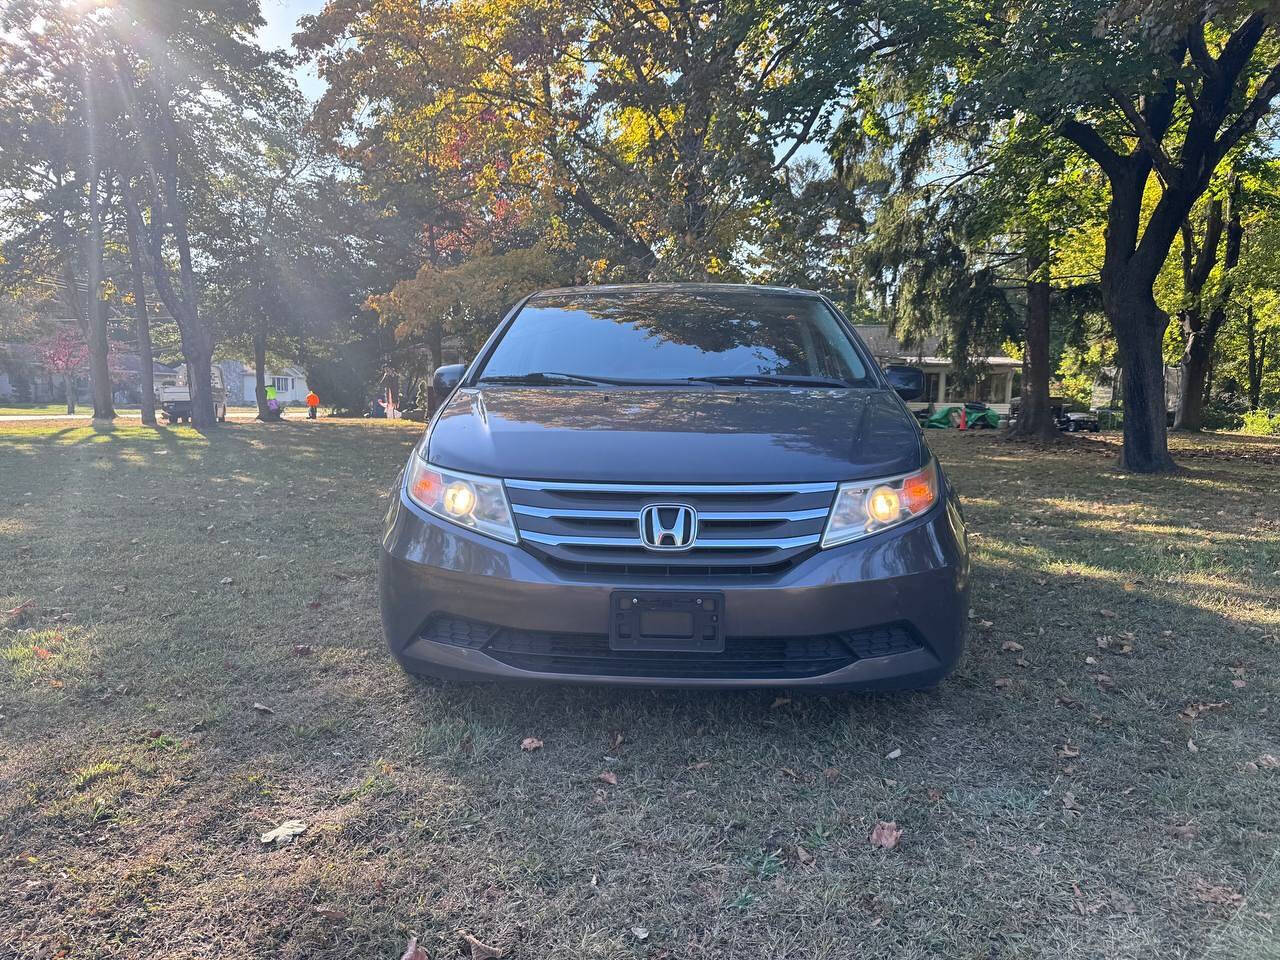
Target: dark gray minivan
point(676, 484)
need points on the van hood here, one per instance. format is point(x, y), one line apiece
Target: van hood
point(676, 435)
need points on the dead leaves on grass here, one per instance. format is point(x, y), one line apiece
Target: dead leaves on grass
point(480, 951)
point(284, 833)
point(414, 951)
point(885, 834)
point(1218, 895)
point(530, 744)
point(1193, 710)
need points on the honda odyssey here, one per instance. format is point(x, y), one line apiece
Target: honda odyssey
point(676, 484)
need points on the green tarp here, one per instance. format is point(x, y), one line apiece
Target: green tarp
point(950, 417)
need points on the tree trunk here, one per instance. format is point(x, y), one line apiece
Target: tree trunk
point(1035, 419)
point(69, 387)
point(200, 383)
point(1197, 360)
point(1139, 328)
point(260, 369)
point(1257, 358)
point(99, 342)
point(142, 322)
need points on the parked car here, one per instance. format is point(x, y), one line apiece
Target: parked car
point(693, 485)
point(173, 394)
point(1073, 421)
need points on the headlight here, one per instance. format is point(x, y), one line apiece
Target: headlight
point(864, 507)
point(469, 501)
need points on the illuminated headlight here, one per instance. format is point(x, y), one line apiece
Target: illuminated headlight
point(864, 507)
point(479, 503)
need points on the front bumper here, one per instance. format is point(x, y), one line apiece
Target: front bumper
point(459, 605)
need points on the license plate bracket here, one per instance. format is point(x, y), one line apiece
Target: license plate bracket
point(666, 621)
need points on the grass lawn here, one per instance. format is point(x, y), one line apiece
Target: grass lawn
point(1098, 779)
point(12, 408)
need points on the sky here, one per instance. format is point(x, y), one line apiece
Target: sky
point(282, 17)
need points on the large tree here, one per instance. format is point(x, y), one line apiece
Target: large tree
point(653, 124)
point(1147, 89)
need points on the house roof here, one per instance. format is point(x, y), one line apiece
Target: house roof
point(886, 347)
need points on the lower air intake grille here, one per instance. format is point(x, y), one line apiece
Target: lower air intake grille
point(744, 658)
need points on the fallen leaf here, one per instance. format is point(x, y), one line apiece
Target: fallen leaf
point(302, 649)
point(985, 624)
point(530, 744)
point(285, 832)
point(56, 684)
point(1012, 646)
point(262, 708)
point(314, 605)
point(935, 795)
point(1069, 750)
point(886, 834)
point(1191, 745)
point(1218, 894)
point(413, 951)
point(1193, 710)
point(616, 741)
point(42, 653)
point(330, 913)
point(894, 754)
point(1091, 661)
point(1184, 831)
point(479, 951)
point(640, 933)
point(1069, 801)
point(803, 855)
point(700, 765)
point(788, 772)
point(1103, 680)
point(609, 777)
point(1269, 761)
point(780, 702)
point(832, 774)
point(1003, 682)
point(1238, 683)
point(1107, 613)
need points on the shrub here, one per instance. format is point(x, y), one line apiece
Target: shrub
point(1261, 423)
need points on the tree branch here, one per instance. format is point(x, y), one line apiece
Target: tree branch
point(1146, 136)
point(1090, 141)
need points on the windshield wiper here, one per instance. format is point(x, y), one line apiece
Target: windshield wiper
point(771, 380)
point(541, 378)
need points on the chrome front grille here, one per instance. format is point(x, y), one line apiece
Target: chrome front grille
point(741, 527)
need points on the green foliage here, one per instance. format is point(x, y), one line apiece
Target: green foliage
point(1261, 423)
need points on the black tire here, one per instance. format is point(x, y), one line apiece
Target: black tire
point(1072, 427)
point(1093, 428)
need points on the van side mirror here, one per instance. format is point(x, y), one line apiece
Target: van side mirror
point(443, 382)
point(907, 382)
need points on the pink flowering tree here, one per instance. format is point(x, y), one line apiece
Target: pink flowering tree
point(65, 354)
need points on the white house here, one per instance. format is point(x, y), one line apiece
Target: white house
point(996, 387)
point(290, 383)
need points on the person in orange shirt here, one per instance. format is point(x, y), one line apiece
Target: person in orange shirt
point(312, 402)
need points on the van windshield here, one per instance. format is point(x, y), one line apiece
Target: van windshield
point(669, 336)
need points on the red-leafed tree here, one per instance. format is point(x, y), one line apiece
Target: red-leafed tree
point(65, 354)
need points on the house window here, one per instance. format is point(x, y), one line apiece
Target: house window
point(282, 384)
